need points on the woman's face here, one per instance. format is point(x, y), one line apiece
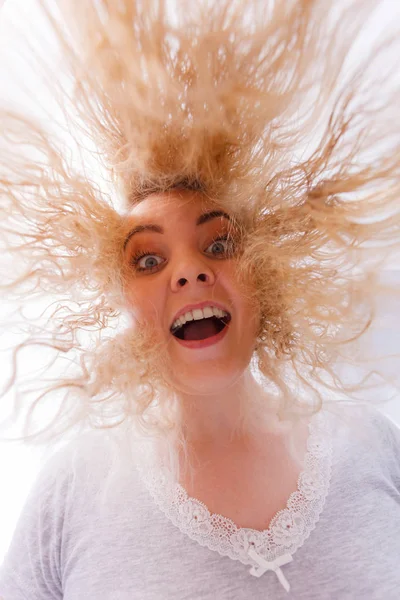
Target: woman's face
point(181, 264)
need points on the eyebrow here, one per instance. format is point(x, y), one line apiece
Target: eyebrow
point(204, 218)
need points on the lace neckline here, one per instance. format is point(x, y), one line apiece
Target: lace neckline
point(288, 530)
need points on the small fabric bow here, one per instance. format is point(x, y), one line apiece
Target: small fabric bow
point(264, 565)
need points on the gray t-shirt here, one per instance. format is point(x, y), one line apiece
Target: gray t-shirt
point(65, 547)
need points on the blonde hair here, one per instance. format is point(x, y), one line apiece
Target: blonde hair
point(215, 99)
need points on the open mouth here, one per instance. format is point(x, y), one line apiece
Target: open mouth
point(201, 329)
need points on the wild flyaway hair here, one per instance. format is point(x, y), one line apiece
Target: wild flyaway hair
point(252, 105)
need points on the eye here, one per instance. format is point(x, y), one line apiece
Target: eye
point(145, 261)
point(224, 243)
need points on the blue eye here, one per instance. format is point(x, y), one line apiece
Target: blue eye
point(149, 258)
point(226, 248)
point(149, 264)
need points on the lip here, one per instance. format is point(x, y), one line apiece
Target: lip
point(185, 309)
point(204, 343)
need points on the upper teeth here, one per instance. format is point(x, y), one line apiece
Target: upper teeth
point(197, 314)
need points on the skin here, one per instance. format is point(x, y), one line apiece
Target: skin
point(213, 383)
point(191, 268)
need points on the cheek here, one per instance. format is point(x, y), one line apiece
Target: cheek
point(244, 295)
point(250, 313)
point(144, 304)
point(135, 300)
point(250, 321)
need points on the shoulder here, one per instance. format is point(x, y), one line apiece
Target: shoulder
point(363, 420)
point(364, 431)
point(385, 438)
point(93, 470)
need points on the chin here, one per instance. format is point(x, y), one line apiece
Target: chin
point(207, 379)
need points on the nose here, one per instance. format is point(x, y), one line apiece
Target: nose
point(192, 272)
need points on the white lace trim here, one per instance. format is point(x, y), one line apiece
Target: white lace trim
point(288, 530)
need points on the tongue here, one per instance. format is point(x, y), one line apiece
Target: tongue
point(200, 330)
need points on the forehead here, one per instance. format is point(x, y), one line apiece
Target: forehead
point(178, 202)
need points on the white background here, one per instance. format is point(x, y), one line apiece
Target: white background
point(19, 466)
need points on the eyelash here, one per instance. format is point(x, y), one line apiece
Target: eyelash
point(141, 253)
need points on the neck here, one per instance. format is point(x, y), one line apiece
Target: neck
point(228, 417)
point(240, 422)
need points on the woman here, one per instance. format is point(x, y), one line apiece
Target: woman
point(217, 456)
